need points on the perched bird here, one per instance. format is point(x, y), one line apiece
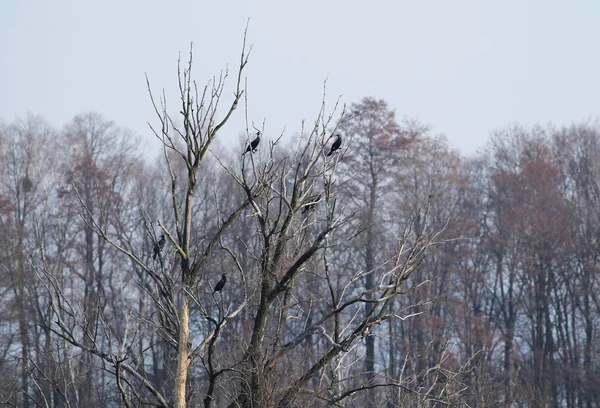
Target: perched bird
point(336, 145)
point(309, 204)
point(158, 246)
point(254, 144)
point(220, 284)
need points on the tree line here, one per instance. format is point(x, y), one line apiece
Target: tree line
point(387, 271)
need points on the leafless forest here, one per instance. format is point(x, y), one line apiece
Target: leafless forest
point(392, 272)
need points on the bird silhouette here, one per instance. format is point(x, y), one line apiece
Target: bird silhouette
point(309, 204)
point(254, 144)
point(220, 284)
point(158, 246)
point(336, 145)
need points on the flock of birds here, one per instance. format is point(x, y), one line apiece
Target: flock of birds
point(308, 206)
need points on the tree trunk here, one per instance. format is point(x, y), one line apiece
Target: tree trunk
point(24, 337)
point(182, 356)
point(370, 281)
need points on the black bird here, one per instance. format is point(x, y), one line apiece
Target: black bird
point(336, 145)
point(220, 284)
point(159, 246)
point(254, 144)
point(309, 204)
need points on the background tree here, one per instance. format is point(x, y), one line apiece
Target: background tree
point(26, 172)
point(374, 141)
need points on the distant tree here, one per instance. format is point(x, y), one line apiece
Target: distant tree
point(577, 149)
point(25, 173)
point(373, 144)
point(430, 177)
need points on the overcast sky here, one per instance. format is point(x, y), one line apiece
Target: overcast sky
point(464, 67)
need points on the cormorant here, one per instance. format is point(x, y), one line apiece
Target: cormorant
point(254, 144)
point(336, 145)
point(220, 284)
point(309, 204)
point(158, 246)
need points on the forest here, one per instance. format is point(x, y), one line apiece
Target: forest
point(391, 271)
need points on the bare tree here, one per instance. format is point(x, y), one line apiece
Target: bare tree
point(25, 173)
point(376, 140)
point(286, 323)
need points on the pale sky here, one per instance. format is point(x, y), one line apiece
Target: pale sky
point(463, 67)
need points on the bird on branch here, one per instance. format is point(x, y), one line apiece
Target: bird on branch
point(158, 246)
point(220, 284)
point(336, 145)
point(254, 144)
point(309, 204)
